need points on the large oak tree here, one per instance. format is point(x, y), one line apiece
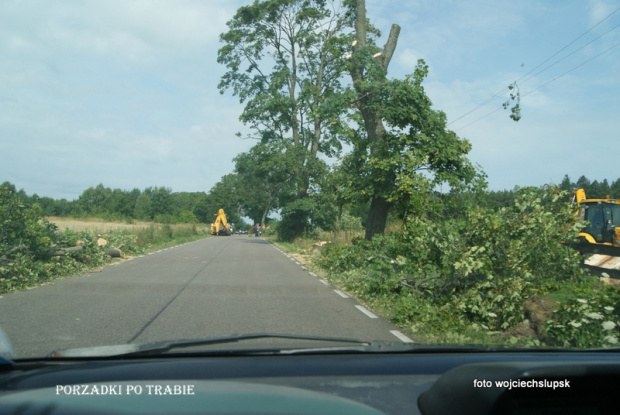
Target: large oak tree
point(403, 146)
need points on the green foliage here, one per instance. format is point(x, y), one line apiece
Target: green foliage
point(295, 218)
point(476, 269)
point(515, 96)
point(33, 251)
point(128, 242)
point(348, 222)
point(153, 203)
point(284, 61)
point(416, 152)
point(594, 189)
point(264, 177)
point(590, 320)
point(22, 228)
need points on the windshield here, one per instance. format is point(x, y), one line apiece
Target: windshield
point(396, 172)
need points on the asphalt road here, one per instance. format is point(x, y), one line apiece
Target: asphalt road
point(213, 287)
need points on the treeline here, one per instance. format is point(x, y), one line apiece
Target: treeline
point(241, 194)
point(159, 204)
point(594, 189)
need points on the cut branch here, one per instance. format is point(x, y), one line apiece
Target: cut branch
point(390, 47)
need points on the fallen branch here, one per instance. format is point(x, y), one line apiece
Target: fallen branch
point(67, 251)
point(418, 285)
point(423, 280)
point(12, 251)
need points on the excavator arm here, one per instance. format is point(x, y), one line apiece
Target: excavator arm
point(220, 226)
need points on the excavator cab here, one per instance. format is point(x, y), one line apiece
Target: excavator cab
point(600, 239)
point(603, 218)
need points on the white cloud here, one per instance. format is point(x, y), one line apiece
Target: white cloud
point(408, 59)
point(125, 29)
point(600, 9)
point(125, 92)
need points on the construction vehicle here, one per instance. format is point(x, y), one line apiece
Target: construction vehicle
point(600, 239)
point(221, 226)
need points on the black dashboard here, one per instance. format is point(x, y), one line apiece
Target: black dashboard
point(527, 382)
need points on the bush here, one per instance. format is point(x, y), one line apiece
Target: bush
point(22, 227)
point(478, 268)
point(128, 242)
point(590, 320)
point(28, 244)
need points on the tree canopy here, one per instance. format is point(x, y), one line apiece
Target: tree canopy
point(403, 146)
point(284, 61)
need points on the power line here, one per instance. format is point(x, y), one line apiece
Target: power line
point(546, 83)
point(576, 39)
point(561, 59)
point(500, 93)
point(570, 70)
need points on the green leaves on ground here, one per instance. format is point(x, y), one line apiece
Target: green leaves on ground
point(590, 319)
point(476, 270)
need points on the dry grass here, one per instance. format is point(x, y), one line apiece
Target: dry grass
point(101, 226)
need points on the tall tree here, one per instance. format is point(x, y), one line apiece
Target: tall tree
point(404, 145)
point(226, 194)
point(284, 61)
point(265, 176)
point(368, 70)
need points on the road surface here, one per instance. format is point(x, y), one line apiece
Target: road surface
point(213, 287)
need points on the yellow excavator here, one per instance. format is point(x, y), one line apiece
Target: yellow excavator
point(601, 237)
point(220, 226)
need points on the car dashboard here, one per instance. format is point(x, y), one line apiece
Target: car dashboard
point(514, 382)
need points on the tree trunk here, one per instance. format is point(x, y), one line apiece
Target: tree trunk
point(377, 217)
point(264, 217)
point(114, 253)
point(373, 123)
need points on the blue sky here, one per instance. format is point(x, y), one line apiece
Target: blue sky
point(124, 93)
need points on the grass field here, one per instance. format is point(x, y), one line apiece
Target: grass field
point(101, 226)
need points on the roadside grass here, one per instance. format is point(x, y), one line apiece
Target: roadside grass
point(95, 237)
point(149, 236)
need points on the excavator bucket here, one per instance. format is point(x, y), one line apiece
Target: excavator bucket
point(604, 265)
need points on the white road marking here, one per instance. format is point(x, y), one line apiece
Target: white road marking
point(324, 282)
point(365, 311)
point(340, 293)
point(313, 274)
point(401, 336)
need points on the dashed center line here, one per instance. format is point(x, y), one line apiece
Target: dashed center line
point(401, 336)
point(340, 293)
point(365, 311)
